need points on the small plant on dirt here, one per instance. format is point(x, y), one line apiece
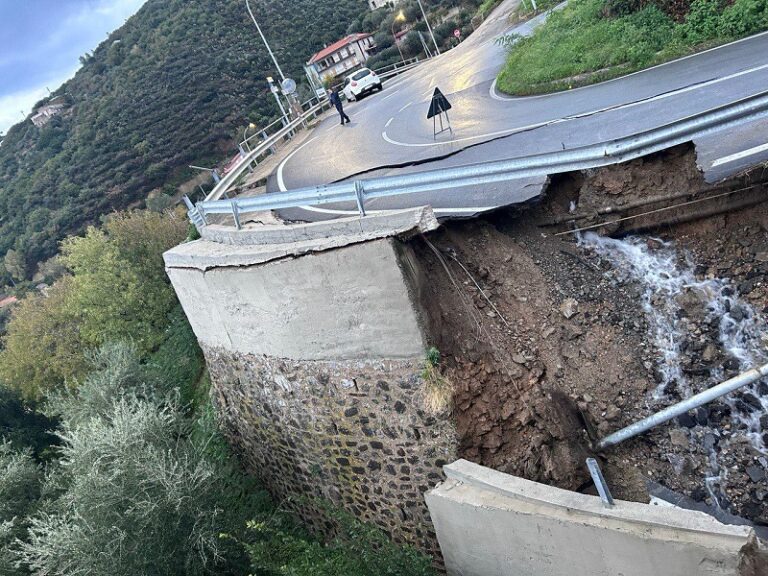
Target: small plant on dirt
point(438, 391)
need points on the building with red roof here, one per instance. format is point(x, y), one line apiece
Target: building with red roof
point(342, 57)
point(7, 301)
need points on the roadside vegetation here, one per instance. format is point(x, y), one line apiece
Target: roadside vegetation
point(111, 462)
point(593, 40)
point(445, 16)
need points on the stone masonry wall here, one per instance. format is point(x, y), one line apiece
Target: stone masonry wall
point(350, 432)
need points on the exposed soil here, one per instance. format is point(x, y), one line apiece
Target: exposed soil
point(548, 347)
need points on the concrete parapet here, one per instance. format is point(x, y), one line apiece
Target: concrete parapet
point(332, 305)
point(493, 524)
point(389, 223)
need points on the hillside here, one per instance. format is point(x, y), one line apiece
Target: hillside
point(171, 87)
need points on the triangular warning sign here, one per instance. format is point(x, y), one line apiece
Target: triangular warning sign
point(438, 105)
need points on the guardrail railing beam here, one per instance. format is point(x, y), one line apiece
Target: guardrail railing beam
point(601, 154)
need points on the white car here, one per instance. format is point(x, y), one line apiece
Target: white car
point(361, 83)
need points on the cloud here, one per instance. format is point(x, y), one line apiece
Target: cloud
point(44, 52)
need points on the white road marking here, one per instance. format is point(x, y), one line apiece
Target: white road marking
point(404, 107)
point(740, 155)
point(280, 181)
point(388, 123)
point(388, 96)
point(467, 138)
point(580, 114)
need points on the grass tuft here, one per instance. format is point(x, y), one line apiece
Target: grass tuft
point(584, 44)
point(438, 390)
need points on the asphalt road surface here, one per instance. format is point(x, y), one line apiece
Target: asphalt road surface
point(390, 133)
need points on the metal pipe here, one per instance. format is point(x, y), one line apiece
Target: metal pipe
point(279, 71)
point(682, 407)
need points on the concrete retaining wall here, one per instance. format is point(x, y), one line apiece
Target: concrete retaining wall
point(345, 303)
point(492, 524)
point(316, 350)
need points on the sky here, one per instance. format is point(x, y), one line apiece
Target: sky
point(41, 42)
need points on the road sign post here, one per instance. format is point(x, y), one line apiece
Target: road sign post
point(437, 108)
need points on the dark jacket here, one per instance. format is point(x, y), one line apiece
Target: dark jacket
point(334, 99)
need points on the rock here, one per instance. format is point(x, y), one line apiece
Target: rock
point(710, 441)
point(737, 313)
point(679, 438)
point(573, 332)
point(761, 256)
point(518, 358)
point(731, 364)
point(709, 354)
point(756, 473)
point(569, 308)
point(686, 420)
point(612, 413)
point(702, 416)
point(752, 401)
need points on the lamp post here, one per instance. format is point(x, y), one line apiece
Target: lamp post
point(399, 18)
point(250, 126)
point(279, 71)
point(428, 26)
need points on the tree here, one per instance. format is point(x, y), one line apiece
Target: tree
point(15, 264)
point(140, 490)
point(118, 290)
point(20, 485)
point(43, 348)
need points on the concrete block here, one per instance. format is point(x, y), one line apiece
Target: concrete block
point(493, 524)
point(345, 303)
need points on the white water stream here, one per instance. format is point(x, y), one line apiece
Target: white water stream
point(670, 291)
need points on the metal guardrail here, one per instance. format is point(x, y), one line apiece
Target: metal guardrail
point(397, 67)
point(230, 177)
point(266, 141)
point(618, 150)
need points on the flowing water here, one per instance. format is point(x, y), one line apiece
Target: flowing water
point(680, 309)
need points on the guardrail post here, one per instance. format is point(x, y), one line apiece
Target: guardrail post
point(236, 214)
point(600, 483)
point(200, 211)
point(360, 195)
point(264, 136)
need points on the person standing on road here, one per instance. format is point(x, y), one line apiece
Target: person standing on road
point(335, 99)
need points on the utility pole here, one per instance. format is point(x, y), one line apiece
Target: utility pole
point(279, 71)
point(428, 26)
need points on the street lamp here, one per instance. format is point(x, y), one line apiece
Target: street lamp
point(279, 71)
point(250, 126)
point(428, 26)
point(399, 18)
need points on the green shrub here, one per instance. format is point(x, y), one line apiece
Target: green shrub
point(590, 41)
point(280, 546)
point(702, 22)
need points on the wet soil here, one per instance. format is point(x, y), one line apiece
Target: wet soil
point(548, 347)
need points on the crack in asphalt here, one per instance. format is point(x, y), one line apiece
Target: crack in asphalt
point(441, 157)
